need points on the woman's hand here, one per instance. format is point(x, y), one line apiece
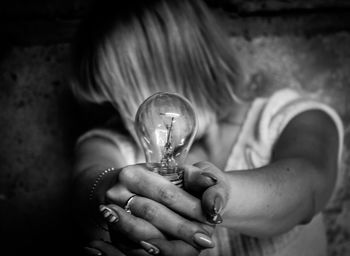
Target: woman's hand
point(138, 180)
point(131, 235)
point(160, 211)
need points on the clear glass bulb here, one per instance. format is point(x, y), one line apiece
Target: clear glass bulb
point(166, 125)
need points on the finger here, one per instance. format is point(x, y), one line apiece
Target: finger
point(171, 223)
point(91, 251)
point(196, 181)
point(210, 168)
point(215, 197)
point(173, 248)
point(128, 225)
point(109, 249)
point(118, 194)
point(134, 228)
point(127, 231)
point(143, 182)
point(104, 248)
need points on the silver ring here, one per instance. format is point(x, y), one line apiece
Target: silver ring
point(128, 203)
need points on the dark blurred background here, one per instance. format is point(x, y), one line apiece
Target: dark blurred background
point(279, 42)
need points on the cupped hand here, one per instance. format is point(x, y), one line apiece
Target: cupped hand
point(137, 179)
point(161, 212)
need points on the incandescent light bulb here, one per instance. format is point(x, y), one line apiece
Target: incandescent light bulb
point(166, 125)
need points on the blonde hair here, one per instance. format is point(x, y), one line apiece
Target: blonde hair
point(123, 56)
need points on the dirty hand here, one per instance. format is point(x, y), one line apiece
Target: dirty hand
point(164, 218)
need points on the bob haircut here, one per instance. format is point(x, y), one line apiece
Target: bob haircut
point(125, 53)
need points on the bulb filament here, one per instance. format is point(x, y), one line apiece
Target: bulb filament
point(167, 158)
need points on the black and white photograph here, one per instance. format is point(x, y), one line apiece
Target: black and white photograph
point(175, 127)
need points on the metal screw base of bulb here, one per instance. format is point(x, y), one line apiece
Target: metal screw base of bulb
point(174, 174)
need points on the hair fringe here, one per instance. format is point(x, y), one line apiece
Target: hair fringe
point(124, 55)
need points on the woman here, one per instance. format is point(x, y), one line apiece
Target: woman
point(258, 174)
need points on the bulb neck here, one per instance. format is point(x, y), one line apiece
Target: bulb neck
point(174, 174)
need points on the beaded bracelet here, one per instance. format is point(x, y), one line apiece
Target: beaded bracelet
point(98, 180)
point(94, 186)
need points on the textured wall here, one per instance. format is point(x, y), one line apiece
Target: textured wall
point(35, 151)
point(39, 120)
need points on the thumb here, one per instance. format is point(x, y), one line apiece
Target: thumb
point(214, 200)
point(196, 181)
point(215, 197)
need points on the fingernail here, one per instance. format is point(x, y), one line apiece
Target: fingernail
point(110, 215)
point(150, 248)
point(217, 207)
point(203, 240)
point(215, 219)
point(215, 216)
point(92, 251)
point(213, 179)
point(105, 241)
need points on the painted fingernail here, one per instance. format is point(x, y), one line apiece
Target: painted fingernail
point(214, 216)
point(215, 219)
point(92, 251)
point(203, 240)
point(218, 204)
point(150, 248)
point(110, 215)
point(105, 241)
point(212, 178)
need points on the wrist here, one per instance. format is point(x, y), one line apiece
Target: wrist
point(90, 192)
point(104, 180)
point(97, 193)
